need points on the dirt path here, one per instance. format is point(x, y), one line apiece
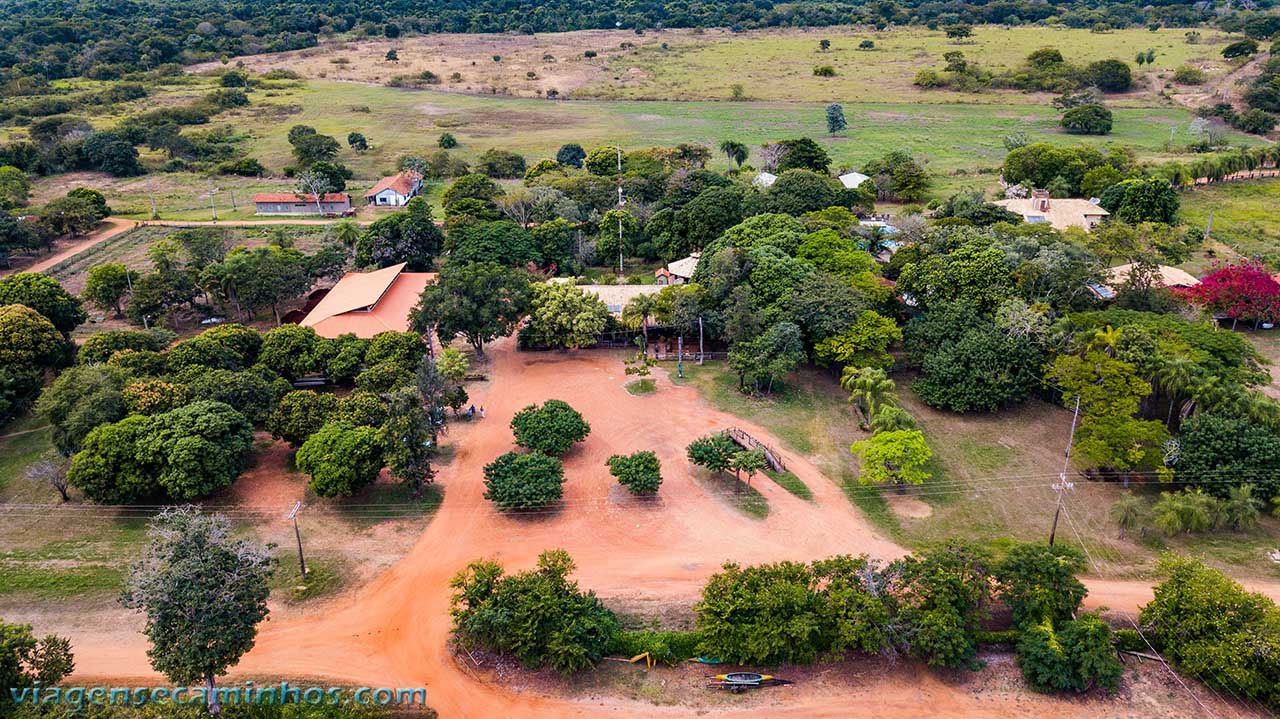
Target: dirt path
point(110, 227)
point(1228, 89)
point(113, 226)
point(394, 631)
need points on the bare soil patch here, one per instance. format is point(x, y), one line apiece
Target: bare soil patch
point(398, 625)
point(557, 60)
point(908, 507)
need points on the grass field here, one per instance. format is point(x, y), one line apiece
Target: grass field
point(1246, 215)
point(774, 64)
point(962, 143)
point(778, 65)
point(991, 477)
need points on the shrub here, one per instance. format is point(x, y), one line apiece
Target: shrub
point(300, 414)
point(244, 167)
point(1189, 75)
point(99, 347)
point(500, 164)
point(1089, 119)
point(540, 617)
point(1255, 122)
point(639, 472)
point(28, 341)
point(1210, 626)
point(669, 648)
point(517, 482)
point(341, 458)
point(1038, 582)
point(824, 71)
point(792, 612)
point(1109, 75)
point(943, 593)
point(552, 429)
point(715, 452)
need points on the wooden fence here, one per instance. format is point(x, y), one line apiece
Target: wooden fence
point(742, 438)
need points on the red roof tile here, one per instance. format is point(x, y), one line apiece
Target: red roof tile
point(293, 197)
point(401, 182)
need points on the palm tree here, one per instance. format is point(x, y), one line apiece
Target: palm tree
point(1263, 410)
point(347, 232)
point(1178, 174)
point(1242, 508)
point(635, 315)
point(869, 389)
point(1106, 340)
point(875, 238)
point(1173, 378)
point(735, 151)
point(1190, 510)
point(1127, 512)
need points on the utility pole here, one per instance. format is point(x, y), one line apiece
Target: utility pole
point(1208, 226)
point(293, 515)
point(621, 202)
point(1062, 484)
point(213, 207)
point(700, 354)
point(154, 214)
point(680, 355)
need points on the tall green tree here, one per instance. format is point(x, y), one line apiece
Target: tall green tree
point(565, 316)
point(765, 359)
point(479, 301)
point(43, 294)
point(106, 285)
point(341, 459)
point(894, 457)
point(835, 119)
point(27, 661)
point(203, 593)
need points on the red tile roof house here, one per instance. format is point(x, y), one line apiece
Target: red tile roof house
point(366, 303)
point(288, 203)
point(395, 190)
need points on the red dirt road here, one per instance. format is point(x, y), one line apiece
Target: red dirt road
point(109, 228)
point(394, 631)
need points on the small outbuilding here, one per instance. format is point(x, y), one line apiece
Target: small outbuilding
point(332, 204)
point(765, 179)
point(678, 272)
point(853, 180)
point(394, 190)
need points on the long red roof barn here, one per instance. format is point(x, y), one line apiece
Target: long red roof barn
point(366, 303)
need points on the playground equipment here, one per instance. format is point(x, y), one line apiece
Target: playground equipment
point(742, 681)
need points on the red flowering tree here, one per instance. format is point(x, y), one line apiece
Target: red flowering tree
point(1242, 292)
